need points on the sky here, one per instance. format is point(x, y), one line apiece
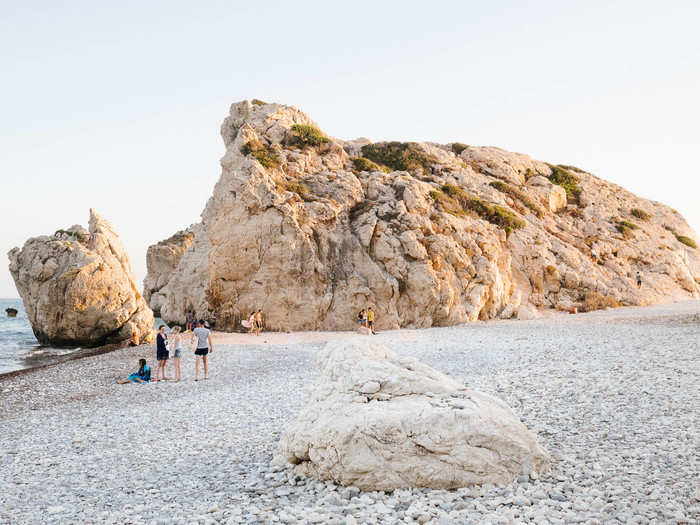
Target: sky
point(117, 105)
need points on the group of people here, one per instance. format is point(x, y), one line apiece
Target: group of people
point(365, 320)
point(199, 338)
point(255, 322)
point(199, 333)
point(164, 343)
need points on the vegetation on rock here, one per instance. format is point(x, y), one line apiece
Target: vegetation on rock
point(571, 168)
point(685, 240)
point(640, 214)
point(265, 155)
point(567, 180)
point(458, 148)
point(400, 156)
point(295, 187)
point(309, 135)
point(78, 236)
point(625, 228)
point(258, 102)
point(363, 164)
point(456, 201)
point(516, 193)
point(179, 237)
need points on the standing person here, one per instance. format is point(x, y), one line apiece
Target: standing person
point(360, 320)
point(258, 322)
point(189, 320)
point(162, 353)
point(639, 280)
point(251, 323)
point(370, 319)
point(204, 346)
point(176, 344)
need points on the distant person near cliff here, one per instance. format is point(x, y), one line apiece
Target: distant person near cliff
point(189, 320)
point(370, 319)
point(204, 347)
point(251, 323)
point(258, 322)
point(639, 280)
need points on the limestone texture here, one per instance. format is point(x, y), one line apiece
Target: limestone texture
point(378, 421)
point(161, 261)
point(78, 288)
point(311, 229)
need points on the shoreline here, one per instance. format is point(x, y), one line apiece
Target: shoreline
point(72, 356)
point(271, 338)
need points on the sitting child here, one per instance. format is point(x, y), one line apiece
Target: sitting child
point(142, 376)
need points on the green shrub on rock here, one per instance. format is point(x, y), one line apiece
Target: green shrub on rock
point(363, 164)
point(567, 180)
point(626, 228)
point(453, 199)
point(685, 240)
point(458, 148)
point(295, 186)
point(516, 193)
point(309, 135)
point(400, 156)
point(258, 102)
point(571, 168)
point(265, 155)
point(640, 214)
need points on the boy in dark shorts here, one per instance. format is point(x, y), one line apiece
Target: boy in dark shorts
point(204, 347)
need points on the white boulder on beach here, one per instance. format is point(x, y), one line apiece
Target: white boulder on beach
point(380, 421)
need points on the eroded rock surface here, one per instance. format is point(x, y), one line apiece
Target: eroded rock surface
point(78, 288)
point(382, 422)
point(161, 261)
point(311, 229)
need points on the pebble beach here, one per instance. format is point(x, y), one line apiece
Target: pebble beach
point(612, 395)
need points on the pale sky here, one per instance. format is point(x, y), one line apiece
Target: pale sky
point(117, 105)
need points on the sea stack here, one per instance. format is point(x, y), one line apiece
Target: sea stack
point(312, 229)
point(78, 288)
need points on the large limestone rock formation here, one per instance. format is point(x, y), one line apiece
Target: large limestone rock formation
point(311, 229)
point(78, 288)
point(161, 261)
point(381, 422)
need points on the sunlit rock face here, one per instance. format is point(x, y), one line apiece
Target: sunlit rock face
point(311, 229)
point(78, 288)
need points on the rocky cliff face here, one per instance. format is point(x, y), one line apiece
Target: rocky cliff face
point(78, 288)
point(311, 229)
point(161, 261)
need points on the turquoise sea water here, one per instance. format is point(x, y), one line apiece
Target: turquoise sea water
point(18, 346)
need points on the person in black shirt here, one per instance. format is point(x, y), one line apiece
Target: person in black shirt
point(162, 353)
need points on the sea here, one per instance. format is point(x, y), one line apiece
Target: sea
point(18, 347)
